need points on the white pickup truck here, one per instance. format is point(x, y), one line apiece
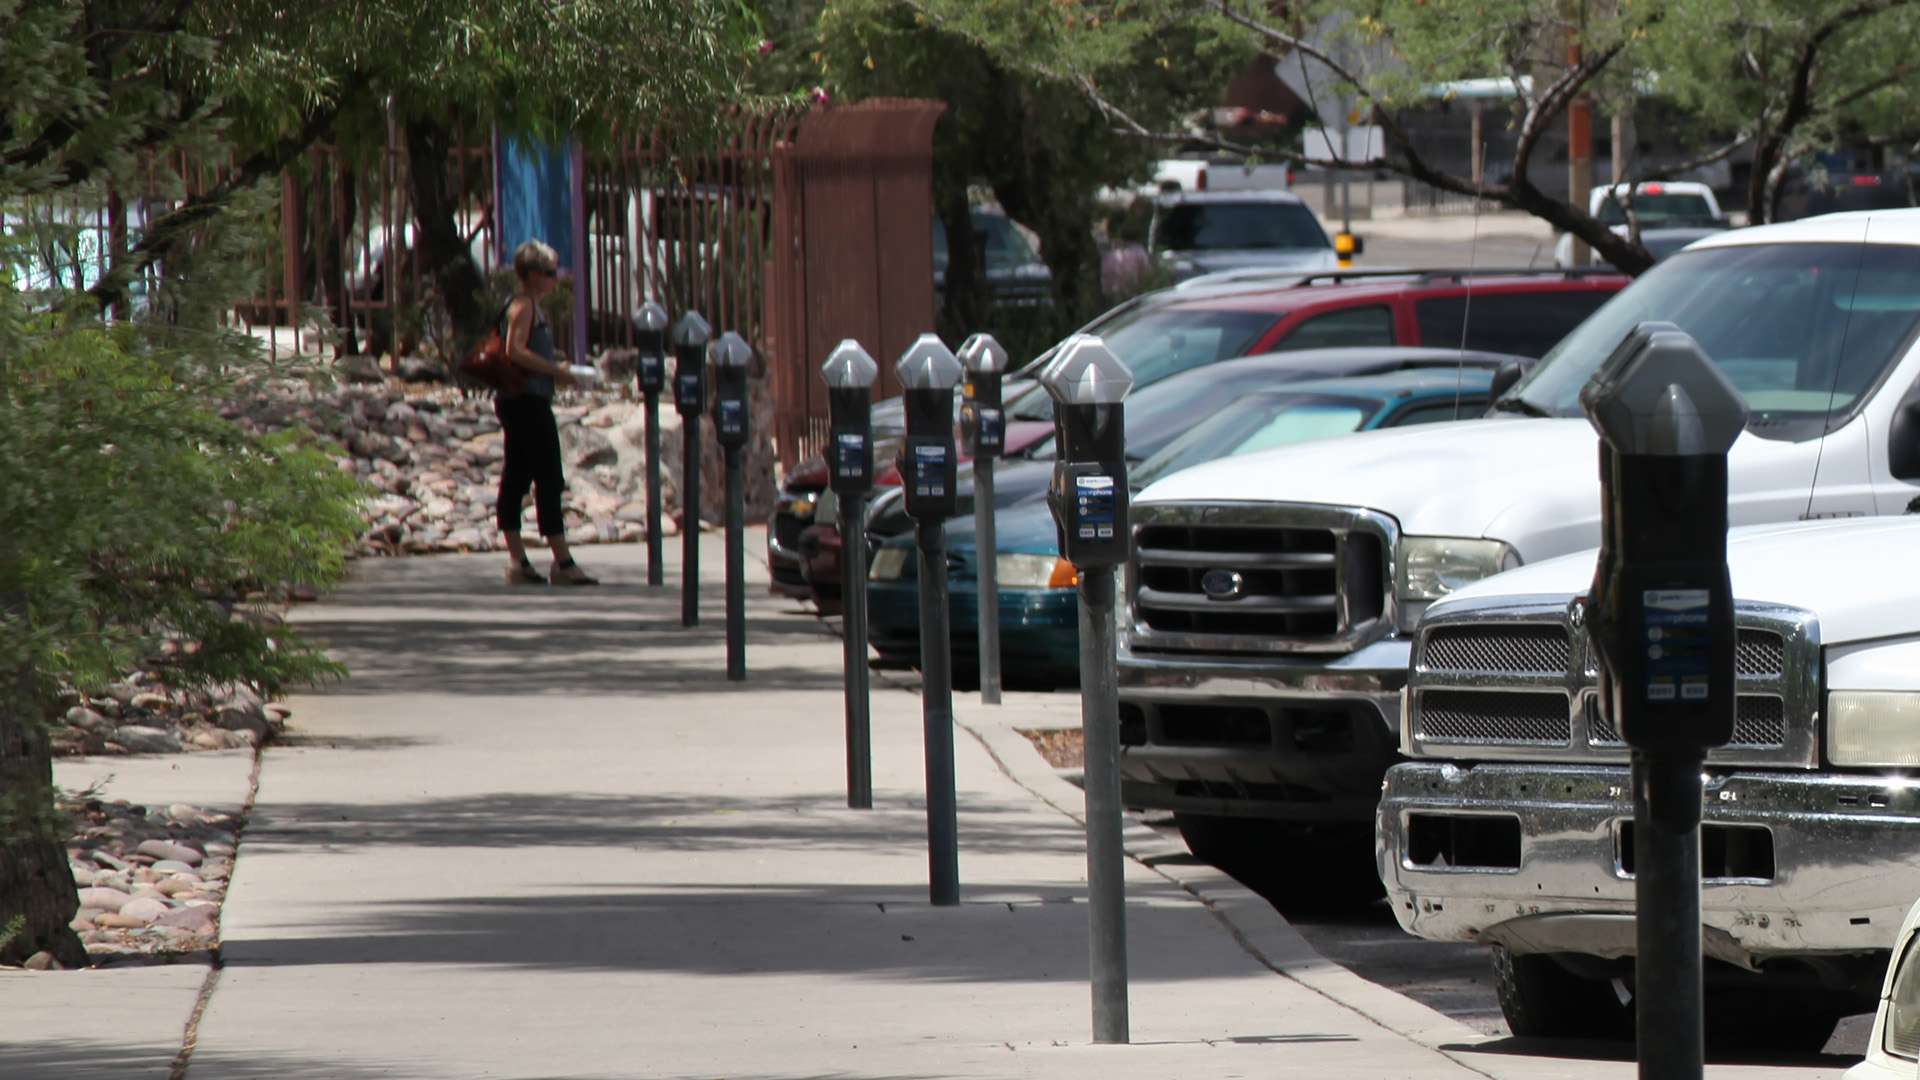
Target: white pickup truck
point(1270, 596)
point(1670, 214)
point(1513, 824)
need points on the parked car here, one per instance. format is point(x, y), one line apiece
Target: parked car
point(1512, 825)
point(1815, 328)
point(1658, 207)
point(1201, 232)
point(1894, 1047)
point(1039, 629)
point(1016, 276)
point(1838, 191)
point(1519, 313)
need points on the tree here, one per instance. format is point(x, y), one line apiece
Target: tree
point(1780, 80)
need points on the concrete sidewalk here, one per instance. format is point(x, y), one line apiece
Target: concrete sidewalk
point(537, 835)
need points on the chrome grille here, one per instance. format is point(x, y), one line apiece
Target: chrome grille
point(1534, 649)
point(1227, 579)
point(1493, 679)
point(1481, 716)
point(1759, 652)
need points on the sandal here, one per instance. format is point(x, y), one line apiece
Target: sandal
point(524, 574)
point(570, 573)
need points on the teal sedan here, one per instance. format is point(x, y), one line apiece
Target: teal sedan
point(1039, 613)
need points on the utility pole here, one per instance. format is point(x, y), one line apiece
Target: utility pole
point(1579, 150)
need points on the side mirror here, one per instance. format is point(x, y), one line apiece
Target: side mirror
point(1903, 438)
point(1505, 377)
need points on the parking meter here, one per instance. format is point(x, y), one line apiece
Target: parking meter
point(732, 361)
point(1089, 491)
point(1088, 384)
point(1661, 618)
point(929, 373)
point(984, 427)
point(650, 338)
point(690, 338)
point(1662, 610)
point(850, 374)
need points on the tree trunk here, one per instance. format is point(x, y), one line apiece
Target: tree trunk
point(963, 308)
point(35, 882)
point(461, 288)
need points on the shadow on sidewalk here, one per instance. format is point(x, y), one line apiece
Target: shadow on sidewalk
point(633, 825)
point(876, 933)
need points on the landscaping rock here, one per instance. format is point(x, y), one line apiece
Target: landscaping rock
point(146, 740)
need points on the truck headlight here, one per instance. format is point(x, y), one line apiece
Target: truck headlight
point(889, 564)
point(1018, 571)
point(1433, 566)
point(1873, 727)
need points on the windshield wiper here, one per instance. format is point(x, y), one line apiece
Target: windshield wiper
point(1520, 405)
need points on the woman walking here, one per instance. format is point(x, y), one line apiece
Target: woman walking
point(532, 437)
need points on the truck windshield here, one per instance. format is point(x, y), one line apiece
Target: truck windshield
point(1239, 227)
point(1656, 210)
point(1805, 331)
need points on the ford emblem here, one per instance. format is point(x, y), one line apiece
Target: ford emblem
point(1223, 584)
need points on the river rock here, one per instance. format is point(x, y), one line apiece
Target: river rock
point(584, 447)
point(198, 918)
point(104, 899)
point(168, 850)
point(146, 740)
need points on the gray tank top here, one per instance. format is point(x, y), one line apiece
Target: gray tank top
point(540, 343)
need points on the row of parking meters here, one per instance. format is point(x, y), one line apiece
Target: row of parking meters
point(731, 358)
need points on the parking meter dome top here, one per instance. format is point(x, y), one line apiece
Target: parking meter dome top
point(983, 354)
point(730, 351)
point(1660, 394)
point(1086, 372)
point(651, 316)
point(692, 330)
point(928, 365)
point(849, 367)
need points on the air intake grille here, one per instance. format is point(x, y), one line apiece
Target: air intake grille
point(1502, 649)
point(1267, 582)
point(1758, 720)
point(1759, 652)
point(1535, 718)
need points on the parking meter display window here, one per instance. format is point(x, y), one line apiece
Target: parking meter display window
point(1677, 625)
point(986, 428)
point(653, 374)
point(689, 392)
point(1090, 508)
point(852, 458)
point(731, 418)
point(1093, 499)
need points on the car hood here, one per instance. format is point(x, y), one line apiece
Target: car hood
point(1847, 572)
point(1027, 529)
point(1533, 483)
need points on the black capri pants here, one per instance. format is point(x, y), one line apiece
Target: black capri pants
point(533, 461)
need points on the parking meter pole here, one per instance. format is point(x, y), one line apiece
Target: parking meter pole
point(988, 577)
point(936, 696)
point(1106, 858)
point(690, 338)
point(929, 373)
point(984, 426)
point(853, 623)
point(732, 363)
point(1669, 994)
point(650, 338)
point(849, 373)
point(1662, 622)
point(1089, 498)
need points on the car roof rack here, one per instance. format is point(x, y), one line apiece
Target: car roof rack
point(1568, 273)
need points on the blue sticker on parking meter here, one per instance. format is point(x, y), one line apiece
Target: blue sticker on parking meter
point(992, 427)
point(930, 471)
point(849, 454)
point(1093, 506)
point(689, 390)
point(733, 415)
point(1676, 642)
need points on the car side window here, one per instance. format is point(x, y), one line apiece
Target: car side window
point(1519, 324)
point(1438, 412)
point(1371, 325)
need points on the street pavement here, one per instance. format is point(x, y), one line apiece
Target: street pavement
point(538, 835)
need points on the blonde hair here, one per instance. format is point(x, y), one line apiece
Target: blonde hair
point(534, 255)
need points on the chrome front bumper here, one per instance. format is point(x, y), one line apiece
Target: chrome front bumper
point(1531, 856)
point(1294, 737)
